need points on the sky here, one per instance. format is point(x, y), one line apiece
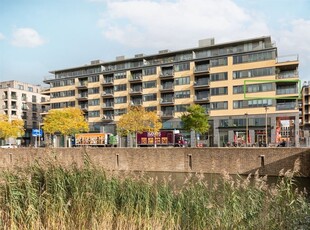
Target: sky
point(39, 36)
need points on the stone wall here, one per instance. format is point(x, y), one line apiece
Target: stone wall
point(207, 160)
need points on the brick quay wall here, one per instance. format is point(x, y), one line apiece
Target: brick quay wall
point(205, 160)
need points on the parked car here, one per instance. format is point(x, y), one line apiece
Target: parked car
point(8, 146)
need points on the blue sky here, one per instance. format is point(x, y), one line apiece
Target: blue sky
point(38, 36)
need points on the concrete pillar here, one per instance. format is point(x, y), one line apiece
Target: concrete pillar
point(296, 123)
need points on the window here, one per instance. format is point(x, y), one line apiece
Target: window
point(254, 73)
point(182, 94)
point(151, 108)
point(122, 87)
point(262, 56)
point(63, 94)
point(30, 89)
point(219, 91)
point(252, 103)
point(219, 76)
point(182, 66)
point(149, 71)
point(181, 108)
point(120, 100)
point(120, 112)
point(149, 84)
point(21, 87)
point(34, 98)
point(93, 102)
point(93, 90)
point(94, 113)
point(120, 75)
point(150, 97)
point(93, 78)
point(182, 81)
point(219, 105)
point(218, 62)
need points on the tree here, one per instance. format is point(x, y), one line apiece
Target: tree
point(68, 121)
point(195, 119)
point(137, 120)
point(13, 128)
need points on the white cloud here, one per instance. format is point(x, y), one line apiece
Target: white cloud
point(179, 23)
point(27, 37)
point(294, 39)
point(1, 37)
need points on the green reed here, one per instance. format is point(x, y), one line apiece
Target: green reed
point(52, 197)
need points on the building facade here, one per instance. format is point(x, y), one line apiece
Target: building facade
point(24, 101)
point(246, 89)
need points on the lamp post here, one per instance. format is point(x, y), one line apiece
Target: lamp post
point(246, 129)
point(266, 128)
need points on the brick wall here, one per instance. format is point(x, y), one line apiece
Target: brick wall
point(207, 160)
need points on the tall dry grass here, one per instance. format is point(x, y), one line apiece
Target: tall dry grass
point(52, 197)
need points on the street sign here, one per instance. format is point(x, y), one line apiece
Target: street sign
point(37, 132)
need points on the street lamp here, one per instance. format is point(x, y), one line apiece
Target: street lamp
point(266, 130)
point(246, 128)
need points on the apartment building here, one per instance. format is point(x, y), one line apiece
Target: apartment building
point(246, 89)
point(23, 101)
point(305, 113)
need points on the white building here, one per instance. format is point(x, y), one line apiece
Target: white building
point(24, 101)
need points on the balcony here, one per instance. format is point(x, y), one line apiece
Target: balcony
point(136, 102)
point(135, 77)
point(83, 107)
point(202, 99)
point(82, 85)
point(107, 81)
point(109, 117)
point(203, 68)
point(107, 93)
point(166, 74)
point(201, 83)
point(287, 74)
point(167, 101)
point(82, 97)
point(136, 90)
point(108, 106)
point(167, 114)
point(286, 106)
point(166, 87)
point(287, 91)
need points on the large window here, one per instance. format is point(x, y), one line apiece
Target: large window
point(254, 73)
point(181, 108)
point(219, 91)
point(182, 81)
point(254, 88)
point(252, 103)
point(150, 97)
point(149, 71)
point(122, 87)
point(149, 84)
point(94, 78)
point(253, 57)
point(68, 93)
point(94, 113)
point(93, 90)
point(219, 105)
point(120, 112)
point(218, 76)
point(182, 94)
point(182, 66)
point(120, 100)
point(120, 75)
point(93, 102)
point(218, 62)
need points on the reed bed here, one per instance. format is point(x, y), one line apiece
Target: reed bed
point(52, 197)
